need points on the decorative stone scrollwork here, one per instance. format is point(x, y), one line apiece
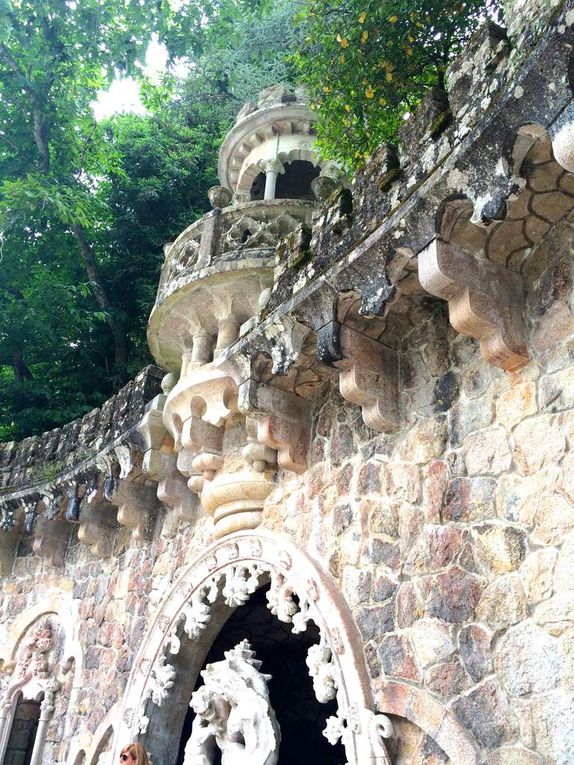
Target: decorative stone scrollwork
point(248, 232)
point(162, 679)
point(298, 593)
point(234, 713)
point(240, 583)
point(323, 672)
point(280, 599)
point(484, 299)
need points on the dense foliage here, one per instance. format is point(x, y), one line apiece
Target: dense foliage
point(368, 62)
point(86, 206)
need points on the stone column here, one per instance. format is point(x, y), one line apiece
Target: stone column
point(226, 333)
point(201, 351)
point(271, 168)
point(6, 712)
point(46, 711)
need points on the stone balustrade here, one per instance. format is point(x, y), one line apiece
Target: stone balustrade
point(242, 231)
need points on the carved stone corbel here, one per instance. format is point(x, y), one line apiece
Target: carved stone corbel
point(136, 503)
point(283, 421)
point(484, 300)
point(368, 373)
point(51, 540)
point(96, 528)
point(8, 545)
point(173, 491)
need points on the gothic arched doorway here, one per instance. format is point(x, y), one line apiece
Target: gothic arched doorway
point(300, 716)
point(199, 609)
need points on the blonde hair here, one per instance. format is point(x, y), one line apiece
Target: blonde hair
point(138, 752)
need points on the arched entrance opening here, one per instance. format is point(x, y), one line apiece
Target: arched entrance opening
point(23, 731)
point(300, 716)
point(293, 183)
point(226, 577)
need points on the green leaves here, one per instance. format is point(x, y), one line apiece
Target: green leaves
point(367, 62)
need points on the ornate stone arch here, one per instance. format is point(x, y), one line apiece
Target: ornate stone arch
point(299, 591)
point(33, 674)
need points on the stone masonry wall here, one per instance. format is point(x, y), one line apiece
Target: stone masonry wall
point(452, 541)
point(451, 538)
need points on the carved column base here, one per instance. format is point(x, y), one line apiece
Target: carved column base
point(235, 500)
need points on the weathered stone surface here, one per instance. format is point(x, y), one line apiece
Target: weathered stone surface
point(383, 517)
point(517, 497)
point(454, 595)
point(554, 520)
point(528, 660)
point(557, 390)
point(557, 614)
point(566, 479)
point(398, 658)
point(356, 585)
point(403, 481)
point(435, 548)
point(537, 572)
point(469, 499)
point(554, 726)
point(409, 604)
point(565, 565)
point(425, 441)
point(487, 452)
point(516, 403)
point(486, 712)
point(470, 414)
point(447, 679)
point(499, 548)
point(503, 602)
point(374, 621)
point(433, 641)
point(566, 644)
point(435, 479)
point(474, 647)
point(538, 443)
point(513, 755)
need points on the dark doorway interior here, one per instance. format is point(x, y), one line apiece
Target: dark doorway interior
point(294, 183)
point(301, 717)
point(22, 732)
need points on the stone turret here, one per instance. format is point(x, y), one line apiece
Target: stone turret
point(217, 275)
point(217, 268)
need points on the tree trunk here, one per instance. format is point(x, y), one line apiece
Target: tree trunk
point(21, 371)
point(99, 290)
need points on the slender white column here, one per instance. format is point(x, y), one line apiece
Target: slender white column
point(46, 711)
point(6, 715)
point(271, 168)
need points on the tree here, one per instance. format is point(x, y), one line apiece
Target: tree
point(367, 62)
point(85, 207)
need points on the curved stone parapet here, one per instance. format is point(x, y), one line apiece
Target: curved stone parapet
point(41, 460)
point(240, 232)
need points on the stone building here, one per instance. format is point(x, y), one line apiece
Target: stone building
point(343, 527)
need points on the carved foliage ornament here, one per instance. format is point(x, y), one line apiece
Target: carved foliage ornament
point(290, 604)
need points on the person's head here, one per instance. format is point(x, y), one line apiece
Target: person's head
point(134, 754)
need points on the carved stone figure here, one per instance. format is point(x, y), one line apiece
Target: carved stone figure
point(234, 714)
